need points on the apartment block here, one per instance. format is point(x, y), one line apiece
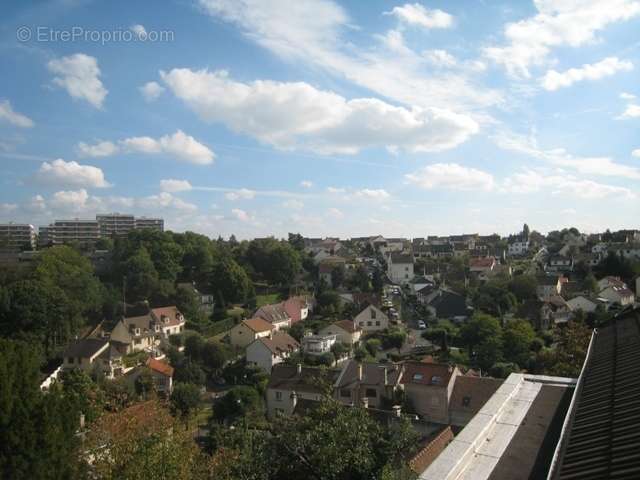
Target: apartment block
point(115, 224)
point(150, 223)
point(15, 237)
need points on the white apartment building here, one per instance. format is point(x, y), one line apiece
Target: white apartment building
point(15, 237)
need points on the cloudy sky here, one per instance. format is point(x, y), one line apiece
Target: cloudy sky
point(258, 117)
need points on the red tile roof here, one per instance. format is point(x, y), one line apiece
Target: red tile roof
point(171, 312)
point(160, 367)
point(258, 324)
point(420, 373)
point(347, 325)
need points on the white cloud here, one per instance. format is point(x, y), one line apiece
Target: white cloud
point(558, 23)
point(416, 14)
point(165, 200)
point(242, 194)
point(601, 166)
point(100, 149)
point(36, 204)
point(627, 96)
point(306, 184)
point(139, 30)
point(151, 91)
point(632, 111)
point(293, 204)
point(440, 58)
point(14, 118)
point(241, 215)
point(79, 75)
point(6, 208)
point(335, 213)
point(554, 80)
point(172, 185)
point(636, 153)
point(335, 190)
point(80, 202)
point(311, 32)
point(372, 194)
point(299, 116)
point(530, 181)
point(451, 176)
point(181, 146)
point(73, 200)
point(72, 174)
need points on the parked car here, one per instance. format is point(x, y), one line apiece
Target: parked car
point(422, 325)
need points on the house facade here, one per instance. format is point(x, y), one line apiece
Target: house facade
point(346, 331)
point(275, 314)
point(93, 356)
point(249, 330)
point(318, 344)
point(371, 319)
point(367, 384)
point(429, 386)
point(400, 268)
point(269, 351)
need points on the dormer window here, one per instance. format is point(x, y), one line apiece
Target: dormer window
point(165, 319)
point(136, 331)
point(436, 380)
point(417, 376)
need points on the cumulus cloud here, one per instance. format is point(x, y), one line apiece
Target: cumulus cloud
point(335, 213)
point(440, 58)
point(306, 183)
point(72, 174)
point(242, 194)
point(8, 114)
point(100, 149)
point(241, 215)
point(335, 190)
point(79, 75)
point(554, 80)
point(181, 146)
point(627, 96)
point(372, 194)
point(451, 176)
point(6, 208)
point(296, 115)
point(632, 111)
point(601, 166)
point(172, 185)
point(80, 202)
point(530, 181)
point(151, 91)
point(557, 23)
point(293, 204)
point(417, 15)
point(313, 33)
point(139, 31)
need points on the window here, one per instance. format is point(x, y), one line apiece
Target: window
point(466, 401)
point(279, 396)
point(417, 376)
point(436, 380)
point(371, 393)
point(377, 323)
point(70, 359)
point(361, 324)
point(373, 313)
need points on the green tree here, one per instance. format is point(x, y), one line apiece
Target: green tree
point(238, 402)
point(518, 336)
point(482, 335)
point(141, 276)
point(185, 399)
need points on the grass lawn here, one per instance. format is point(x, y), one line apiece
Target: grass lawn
point(267, 299)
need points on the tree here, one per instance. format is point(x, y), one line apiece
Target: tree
point(230, 279)
point(277, 261)
point(526, 231)
point(337, 276)
point(523, 287)
point(188, 371)
point(185, 399)
point(482, 334)
point(214, 355)
point(518, 337)
point(193, 345)
point(141, 276)
point(238, 402)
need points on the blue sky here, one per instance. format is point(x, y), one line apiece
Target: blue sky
point(266, 117)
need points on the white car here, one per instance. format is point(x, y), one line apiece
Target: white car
point(422, 325)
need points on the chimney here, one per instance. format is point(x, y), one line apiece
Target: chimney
point(81, 421)
point(359, 372)
point(365, 402)
point(294, 400)
point(386, 376)
point(299, 368)
point(397, 410)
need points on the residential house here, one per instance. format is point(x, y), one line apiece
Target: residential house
point(518, 247)
point(346, 332)
point(548, 286)
point(559, 263)
point(482, 267)
point(371, 319)
point(162, 374)
point(400, 268)
point(448, 304)
point(469, 395)
point(419, 282)
point(297, 308)
point(247, 331)
point(169, 318)
point(265, 352)
point(136, 333)
point(367, 384)
point(275, 314)
point(318, 344)
point(558, 309)
point(93, 356)
point(621, 295)
point(428, 386)
point(629, 251)
point(289, 384)
point(582, 303)
point(206, 301)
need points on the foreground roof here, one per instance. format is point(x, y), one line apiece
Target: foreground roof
point(602, 436)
